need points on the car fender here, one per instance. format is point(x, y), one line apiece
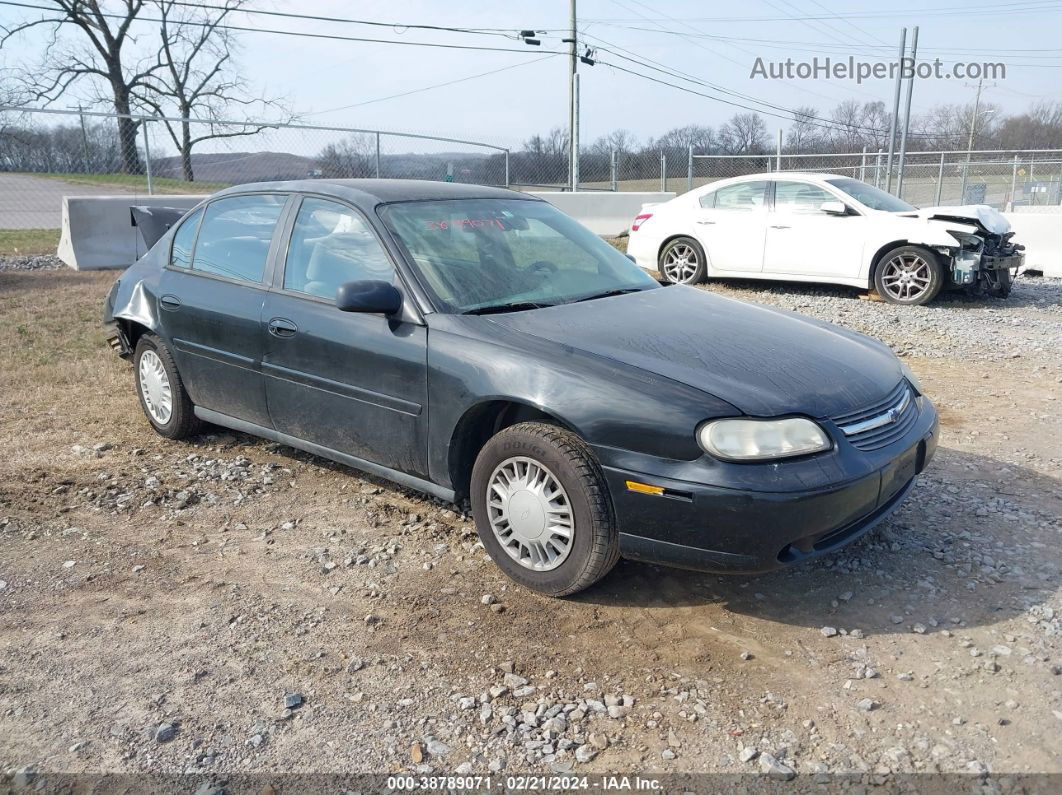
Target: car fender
point(892, 232)
point(609, 404)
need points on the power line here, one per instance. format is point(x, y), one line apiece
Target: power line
point(303, 34)
point(429, 88)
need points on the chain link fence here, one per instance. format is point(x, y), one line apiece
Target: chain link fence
point(46, 154)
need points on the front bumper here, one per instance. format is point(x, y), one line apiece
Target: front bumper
point(741, 531)
point(1007, 262)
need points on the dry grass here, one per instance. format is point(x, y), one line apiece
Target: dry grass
point(14, 242)
point(61, 383)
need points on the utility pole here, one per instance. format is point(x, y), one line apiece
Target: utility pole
point(895, 111)
point(907, 110)
point(573, 102)
point(970, 138)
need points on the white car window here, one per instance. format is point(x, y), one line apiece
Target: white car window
point(743, 196)
point(800, 197)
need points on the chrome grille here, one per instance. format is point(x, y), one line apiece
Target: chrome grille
point(883, 423)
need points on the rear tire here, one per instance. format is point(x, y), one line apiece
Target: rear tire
point(542, 509)
point(161, 391)
point(909, 275)
point(682, 261)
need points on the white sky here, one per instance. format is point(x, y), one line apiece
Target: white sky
point(506, 108)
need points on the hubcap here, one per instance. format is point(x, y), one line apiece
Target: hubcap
point(906, 277)
point(680, 263)
point(155, 387)
point(530, 514)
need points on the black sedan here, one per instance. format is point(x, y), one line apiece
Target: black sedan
point(477, 343)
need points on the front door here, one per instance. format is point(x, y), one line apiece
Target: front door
point(805, 241)
point(210, 301)
point(355, 383)
point(731, 224)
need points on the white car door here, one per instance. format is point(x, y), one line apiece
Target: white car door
point(803, 240)
point(731, 225)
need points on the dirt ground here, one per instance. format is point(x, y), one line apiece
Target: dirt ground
point(159, 601)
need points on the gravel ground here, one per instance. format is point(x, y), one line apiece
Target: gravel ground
point(37, 262)
point(231, 606)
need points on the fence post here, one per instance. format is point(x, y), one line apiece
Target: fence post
point(689, 171)
point(613, 175)
point(1013, 182)
point(863, 166)
point(940, 179)
point(663, 173)
point(778, 151)
point(377, 155)
point(507, 168)
point(877, 170)
point(147, 158)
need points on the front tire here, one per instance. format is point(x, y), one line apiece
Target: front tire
point(909, 275)
point(161, 391)
point(682, 261)
point(542, 509)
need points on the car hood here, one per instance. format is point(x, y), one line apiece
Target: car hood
point(765, 362)
point(972, 214)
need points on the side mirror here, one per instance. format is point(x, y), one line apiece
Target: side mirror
point(834, 208)
point(371, 297)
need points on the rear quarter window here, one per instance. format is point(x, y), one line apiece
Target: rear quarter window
point(184, 239)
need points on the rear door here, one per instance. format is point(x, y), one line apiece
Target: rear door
point(210, 300)
point(356, 383)
point(803, 240)
point(731, 225)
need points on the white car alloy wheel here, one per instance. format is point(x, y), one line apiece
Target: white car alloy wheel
point(530, 514)
point(155, 387)
point(906, 277)
point(680, 263)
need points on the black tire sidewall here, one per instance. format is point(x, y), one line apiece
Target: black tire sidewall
point(702, 261)
point(513, 444)
point(150, 343)
point(936, 271)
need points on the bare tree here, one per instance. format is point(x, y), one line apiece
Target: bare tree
point(744, 134)
point(106, 42)
point(195, 79)
point(616, 141)
point(354, 156)
point(680, 139)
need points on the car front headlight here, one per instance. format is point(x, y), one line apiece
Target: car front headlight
point(912, 379)
point(762, 440)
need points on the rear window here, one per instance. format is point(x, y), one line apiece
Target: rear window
point(235, 234)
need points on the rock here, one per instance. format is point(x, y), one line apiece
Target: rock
point(868, 705)
point(668, 754)
point(486, 599)
point(69, 564)
point(292, 700)
point(828, 632)
point(165, 732)
point(616, 712)
point(416, 753)
point(437, 748)
point(746, 655)
point(584, 753)
point(905, 676)
point(748, 753)
point(776, 769)
point(599, 740)
point(512, 680)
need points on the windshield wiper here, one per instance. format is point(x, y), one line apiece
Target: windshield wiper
point(513, 306)
point(608, 294)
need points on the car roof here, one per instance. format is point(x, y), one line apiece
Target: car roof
point(778, 175)
point(368, 193)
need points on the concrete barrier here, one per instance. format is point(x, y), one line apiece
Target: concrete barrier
point(603, 213)
point(97, 233)
point(1039, 229)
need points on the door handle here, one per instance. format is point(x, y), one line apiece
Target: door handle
point(170, 302)
point(706, 222)
point(279, 327)
point(779, 226)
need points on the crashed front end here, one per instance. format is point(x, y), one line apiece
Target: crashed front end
point(985, 259)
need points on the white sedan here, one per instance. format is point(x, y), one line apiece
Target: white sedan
point(825, 228)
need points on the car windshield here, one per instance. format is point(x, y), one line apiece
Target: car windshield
point(497, 255)
point(869, 196)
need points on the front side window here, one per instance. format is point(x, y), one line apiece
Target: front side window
point(800, 197)
point(747, 196)
point(478, 255)
point(235, 234)
point(330, 245)
point(184, 239)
